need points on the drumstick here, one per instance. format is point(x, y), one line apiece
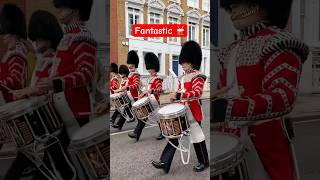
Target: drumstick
point(220, 91)
point(6, 87)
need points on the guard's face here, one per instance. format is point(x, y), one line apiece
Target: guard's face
point(186, 67)
point(42, 45)
point(152, 72)
point(65, 15)
point(131, 66)
point(245, 14)
point(123, 76)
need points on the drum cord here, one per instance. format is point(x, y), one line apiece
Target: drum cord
point(65, 157)
point(123, 112)
point(34, 158)
point(182, 149)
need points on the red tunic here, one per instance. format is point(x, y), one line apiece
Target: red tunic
point(268, 67)
point(155, 85)
point(192, 89)
point(43, 67)
point(114, 84)
point(13, 70)
point(134, 83)
point(76, 58)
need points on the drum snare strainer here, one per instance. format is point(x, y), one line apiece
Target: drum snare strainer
point(91, 145)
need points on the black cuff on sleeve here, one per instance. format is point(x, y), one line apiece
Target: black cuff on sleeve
point(178, 96)
point(218, 110)
point(128, 88)
point(57, 85)
point(152, 91)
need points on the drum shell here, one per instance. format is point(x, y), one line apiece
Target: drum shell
point(225, 162)
point(174, 127)
point(34, 118)
point(143, 110)
point(91, 150)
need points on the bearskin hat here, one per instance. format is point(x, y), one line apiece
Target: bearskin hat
point(84, 6)
point(114, 68)
point(12, 21)
point(278, 12)
point(45, 25)
point(123, 69)
point(133, 58)
point(152, 62)
point(191, 53)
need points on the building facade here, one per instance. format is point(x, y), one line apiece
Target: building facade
point(194, 13)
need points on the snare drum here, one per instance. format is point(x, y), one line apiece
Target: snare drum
point(227, 158)
point(91, 145)
point(5, 136)
point(173, 120)
point(120, 99)
point(142, 108)
point(29, 119)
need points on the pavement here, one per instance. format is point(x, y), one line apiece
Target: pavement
point(131, 160)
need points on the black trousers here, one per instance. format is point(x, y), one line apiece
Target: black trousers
point(169, 151)
point(122, 119)
point(114, 116)
point(21, 162)
point(138, 130)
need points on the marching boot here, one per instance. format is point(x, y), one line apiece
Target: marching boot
point(160, 137)
point(202, 155)
point(132, 134)
point(138, 129)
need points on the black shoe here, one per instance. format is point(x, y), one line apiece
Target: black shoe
point(116, 126)
point(158, 164)
point(160, 137)
point(132, 135)
point(200, 167)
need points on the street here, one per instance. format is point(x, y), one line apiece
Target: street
point(132, 160)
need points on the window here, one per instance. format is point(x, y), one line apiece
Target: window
point(193, 3)
point(204, 66)
point(206, 5)
point(205, 36)
point(173, 20)
point(133, 18)
point(192, 34)
point(154, 18)
point(175, 64)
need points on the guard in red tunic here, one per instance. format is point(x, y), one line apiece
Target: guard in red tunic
point(133, 84)
point(74, 69)
point(45, 31)
point(154, 87)
point(190, 90)
point(114, 85)
point(261, 71)
point(13, 64)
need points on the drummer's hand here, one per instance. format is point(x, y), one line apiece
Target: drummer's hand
point(173, 96)
point(124, 88)
point(45, 85)
point(19, 94)
point(141, 95)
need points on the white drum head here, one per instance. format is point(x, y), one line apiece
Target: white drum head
point(94, 130)
point(170, 110)
point(140, 102)
point(113, 96)
point(222, 144)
